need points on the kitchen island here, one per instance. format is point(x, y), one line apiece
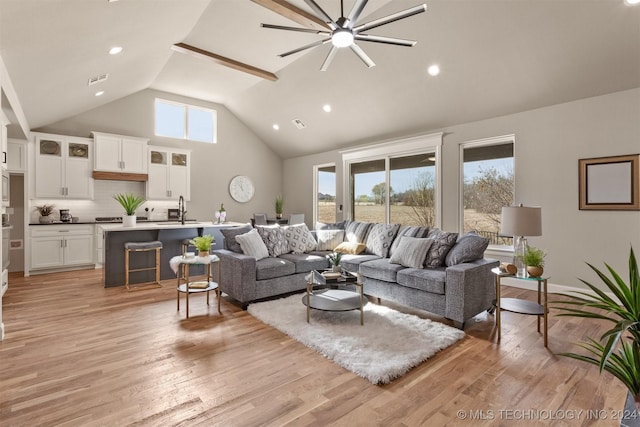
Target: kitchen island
point(170, 234)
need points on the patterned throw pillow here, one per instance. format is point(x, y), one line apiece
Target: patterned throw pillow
point(443, 241)
point(408, 231)
point(329, 239)
point(230, 234)
point(356, 231)
point(299, 238)
point(350, 248)
point(273, 238)
point(468, 248)
point(411, 251)
point(380, 238)
point(252, 245)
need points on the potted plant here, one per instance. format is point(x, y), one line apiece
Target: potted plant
point(617, 350)
point(334, 261)
point(279, 206)
point(534, 260)
point(45, 214)
point(130, 203)
point(202, 244)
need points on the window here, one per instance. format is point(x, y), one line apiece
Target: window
point(368, 191)
point(325, 193)
point(182, 121)
point(487, 186)
point(413, 190)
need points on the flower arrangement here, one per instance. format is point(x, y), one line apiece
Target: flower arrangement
point(45, 210)
point(202, 244)
point(221, 214)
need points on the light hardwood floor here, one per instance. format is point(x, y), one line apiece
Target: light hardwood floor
point(76, 354)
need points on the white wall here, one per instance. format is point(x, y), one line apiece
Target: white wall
point(549, 142)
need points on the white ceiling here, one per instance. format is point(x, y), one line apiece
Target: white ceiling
point(497, 57)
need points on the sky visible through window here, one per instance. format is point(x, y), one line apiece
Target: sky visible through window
point(171, 121)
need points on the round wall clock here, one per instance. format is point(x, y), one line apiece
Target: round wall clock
point(241, 188)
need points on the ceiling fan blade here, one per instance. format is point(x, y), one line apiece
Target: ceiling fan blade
point(302, 30)
point(329, 58)
point(289, 11)
point(383, 39)
point(356, 11)
point(391, 18)
point(317, 9)
point(308, 46)
point(363, 56)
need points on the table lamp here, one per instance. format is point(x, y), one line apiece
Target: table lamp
point(519, 222)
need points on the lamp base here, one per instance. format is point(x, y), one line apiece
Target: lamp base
point(520, 247)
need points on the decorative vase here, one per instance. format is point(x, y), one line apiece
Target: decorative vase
point(129, 221)
point(46, 219)
point(336, 268)
point(278, 216)
point(534, 271)
point(203, 253)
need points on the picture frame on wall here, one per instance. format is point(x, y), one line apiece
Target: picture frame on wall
point(610, 183)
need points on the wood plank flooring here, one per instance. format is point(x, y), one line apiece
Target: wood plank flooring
point(77, 354)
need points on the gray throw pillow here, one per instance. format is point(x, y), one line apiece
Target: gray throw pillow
point(443, 241)
point(328, 240)
point(468, 248)
point(299, 238)
point(408, 231)
point(380, 238)
point(330, 226)
point(356, 231)
point(252, 245)
point(230, 234)
point(274, 239)
point(411, 251)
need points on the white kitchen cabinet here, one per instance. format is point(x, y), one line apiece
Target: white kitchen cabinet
point(63, 167)
point(55, 246)
point(17, 155)
point(120, 153)
point(4, 122)
point(169, 173)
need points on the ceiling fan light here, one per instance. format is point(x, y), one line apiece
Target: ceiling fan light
point(342, 38)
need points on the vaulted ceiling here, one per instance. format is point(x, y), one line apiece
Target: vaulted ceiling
point(496, 57)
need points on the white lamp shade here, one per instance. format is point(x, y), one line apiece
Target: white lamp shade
point(521, 221)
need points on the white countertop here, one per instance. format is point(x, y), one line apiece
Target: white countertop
point(166, 225)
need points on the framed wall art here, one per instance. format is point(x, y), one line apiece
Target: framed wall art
point(610, 183)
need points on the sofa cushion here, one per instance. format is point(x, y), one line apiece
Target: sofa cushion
point(307, 262)
point(352, 262)
point(328, 239)
point(350, 248)
point(356, 231)
point(409, 231)
point(230, 234)
point(299, 238)
point(380, 238)
point(469, 247)
point(273, 238)
point(269, 268)
point(252, 245)
point(411, 252)
point(424, 279)
point(380, 269)
point(331, 226)
point(443, 241)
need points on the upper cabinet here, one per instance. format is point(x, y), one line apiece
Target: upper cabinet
point(119, 153)
point(63, 167)
point(17, 155)
point(4, 122)
point(169, 174)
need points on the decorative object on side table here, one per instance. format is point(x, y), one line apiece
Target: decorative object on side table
point(130, 203)
point(202, 244)
point(620, 353)
point(534, 260)
point(45, 214)
point(334, 260)
point(221, 214)
point(279, 207)
point(521, 221)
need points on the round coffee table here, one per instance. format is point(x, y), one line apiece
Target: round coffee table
point(336, 299)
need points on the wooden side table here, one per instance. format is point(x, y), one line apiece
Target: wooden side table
point(181, 265)
point(521, 306)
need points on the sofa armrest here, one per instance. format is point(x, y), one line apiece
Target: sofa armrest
point(470, 289)
point(238, 275)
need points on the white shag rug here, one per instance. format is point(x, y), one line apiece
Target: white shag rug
point(388, 345)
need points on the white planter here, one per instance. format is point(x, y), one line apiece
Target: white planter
point(129, 221)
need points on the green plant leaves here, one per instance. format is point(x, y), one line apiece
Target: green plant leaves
point(129, 202)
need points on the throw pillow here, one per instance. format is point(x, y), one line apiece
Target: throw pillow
point(230, 234)
point(443, 241)
point(468, 248)
point(356, 231)
point(330, 226)
point(299, 238)
point(408, 231)
point(329, 239)
point(273, 238)
point(380, 238)
point(350, 248)
point(252, 245)
point(411, 251)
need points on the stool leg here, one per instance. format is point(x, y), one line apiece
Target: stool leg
point(158, 266)
point(186, 269)
point(126, 269)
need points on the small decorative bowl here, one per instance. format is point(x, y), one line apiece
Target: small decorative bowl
point(189, 254)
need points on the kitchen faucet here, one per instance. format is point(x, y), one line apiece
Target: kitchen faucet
point(182, 213)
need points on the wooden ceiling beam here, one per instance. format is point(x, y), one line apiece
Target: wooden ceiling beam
point(289, 11)
point(227, 62)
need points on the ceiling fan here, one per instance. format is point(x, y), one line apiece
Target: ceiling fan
point(343, 32)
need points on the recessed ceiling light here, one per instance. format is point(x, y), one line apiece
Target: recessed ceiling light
point(100, 93)
point(115, 50)
point(276, 126)
point(433, 70)
point(631, 2)
point(326, 108)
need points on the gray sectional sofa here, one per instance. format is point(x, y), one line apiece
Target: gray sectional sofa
point(454, 281)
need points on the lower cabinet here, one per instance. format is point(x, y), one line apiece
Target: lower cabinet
point(55, 246)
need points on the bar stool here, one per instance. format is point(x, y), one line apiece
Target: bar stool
point(142, 247)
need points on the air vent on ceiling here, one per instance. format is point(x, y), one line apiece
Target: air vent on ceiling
point(298, 123)
point(98, 79)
